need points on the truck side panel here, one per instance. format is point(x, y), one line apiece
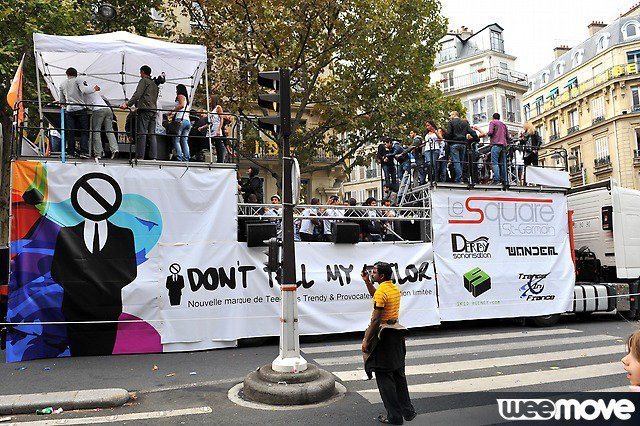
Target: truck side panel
point(626, 232)
point(587, 218)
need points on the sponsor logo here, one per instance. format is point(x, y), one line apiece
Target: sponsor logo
point(533, 287)
point(565, 409)
point(465, 249)
point(477, 282)
point(532, 251)
point(516, 217)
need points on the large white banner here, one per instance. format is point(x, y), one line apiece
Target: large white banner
point(211, 292)
point(501, 254)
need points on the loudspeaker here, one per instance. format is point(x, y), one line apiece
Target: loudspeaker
point(345, 232)
point(258, 234)
point(409, 231)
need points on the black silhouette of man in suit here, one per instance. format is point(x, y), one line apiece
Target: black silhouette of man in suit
point(175, 284)
point(93, 261)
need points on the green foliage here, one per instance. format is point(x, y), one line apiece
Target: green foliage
point(360, 68)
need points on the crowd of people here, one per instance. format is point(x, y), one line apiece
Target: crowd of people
point(90, 117)
point(454, 153)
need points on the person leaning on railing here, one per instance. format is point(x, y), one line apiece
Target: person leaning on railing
point(499, 136)
point(531, 139)
point(457, 131)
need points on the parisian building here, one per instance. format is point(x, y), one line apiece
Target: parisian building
point(587, 102)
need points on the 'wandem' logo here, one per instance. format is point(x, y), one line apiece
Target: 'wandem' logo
point(477, 282)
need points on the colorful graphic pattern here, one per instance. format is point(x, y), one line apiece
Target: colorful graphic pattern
point(34, 297)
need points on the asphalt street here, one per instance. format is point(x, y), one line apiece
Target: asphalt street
point(455, 373)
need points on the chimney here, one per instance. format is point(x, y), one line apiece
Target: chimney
point(595, 26)
point(465, 32)
point(560, 50)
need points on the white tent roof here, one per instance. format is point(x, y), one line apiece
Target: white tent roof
point(113, 60)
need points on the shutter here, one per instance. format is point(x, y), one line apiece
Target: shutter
point(467, 106)
point(503, 103)
point(518, 111)
point(490, 107)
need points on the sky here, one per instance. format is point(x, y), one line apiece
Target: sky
point(533, 28)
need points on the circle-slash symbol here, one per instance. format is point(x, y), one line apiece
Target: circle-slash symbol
point(174, 268)
point(93, 204)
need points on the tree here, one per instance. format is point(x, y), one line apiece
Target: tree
point(19, 19)
point(360, 68)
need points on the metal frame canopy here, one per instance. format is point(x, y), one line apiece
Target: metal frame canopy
point(113, 61)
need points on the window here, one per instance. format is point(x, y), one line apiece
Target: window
point(630, 29)
point(540, 130)
point(158, 19)
point(479, 108)
point(476, 77)
point(497, 42)
point(574, 121)
point(635, 98)
point(447, 81)
point(510, 110)
point(603, 42)
point(597, 109)
point(504, 66)
point(544, 78)
point(531, 86)
point(597, 70)
point(559, 69)
point(602, 147)
point(634, 58)
point(448, 51)
point(555, 131)
point(576, 59)
point(527, 112)
point(636, 151)
point(575, 157)
point(198, 17)
point(539, 105)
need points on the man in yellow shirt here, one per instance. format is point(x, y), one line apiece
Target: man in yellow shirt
point(384, 347)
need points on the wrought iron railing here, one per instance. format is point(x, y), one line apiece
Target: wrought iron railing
point(572, 130)
point(602, 161)
point(576, 169)
point(481, 76)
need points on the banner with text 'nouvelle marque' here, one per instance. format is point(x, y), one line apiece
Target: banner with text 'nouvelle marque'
point(117, 259)
point(501, 254)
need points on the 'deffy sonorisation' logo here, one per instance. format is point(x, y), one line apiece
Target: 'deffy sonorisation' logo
point(477, 282)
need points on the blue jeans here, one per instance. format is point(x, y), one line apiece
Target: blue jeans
point(180, 141)
point(458, 151)
point(404, 167)
point(498, 163)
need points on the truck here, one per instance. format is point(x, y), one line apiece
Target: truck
point(606, 235)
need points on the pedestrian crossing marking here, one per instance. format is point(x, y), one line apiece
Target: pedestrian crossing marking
point(493, 383)
point(431, 353)
point(446, 340)
point(414, 370)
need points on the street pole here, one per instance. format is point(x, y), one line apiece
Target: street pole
point(289, 358)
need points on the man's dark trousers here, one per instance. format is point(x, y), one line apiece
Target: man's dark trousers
point(146, 130)
point(76, 121)
point(395, 394)
point(389, 172)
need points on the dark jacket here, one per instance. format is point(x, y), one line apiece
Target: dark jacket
point(458, 129)
point(146, 94)
point(382, 153)
point(252, 186)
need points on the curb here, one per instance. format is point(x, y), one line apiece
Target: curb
point(70, 400)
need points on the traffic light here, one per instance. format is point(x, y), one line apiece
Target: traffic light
point(273, 255)
point(279, 102)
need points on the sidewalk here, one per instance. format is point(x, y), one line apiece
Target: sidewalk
point(70, 400)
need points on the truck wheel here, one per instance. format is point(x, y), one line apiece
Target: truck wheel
point(545, 320)
point(583, 316)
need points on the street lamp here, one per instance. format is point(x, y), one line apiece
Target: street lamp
point(106, 12)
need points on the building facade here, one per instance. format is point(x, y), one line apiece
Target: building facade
point(475, 68)
point(587, 101)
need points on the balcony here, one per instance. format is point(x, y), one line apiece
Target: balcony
point(636, 108)
point(598, 119)
point(482, 76)
point(572, 130)
point(636, 153)
point(553, 138)
point(602, 165)
point(571, 93)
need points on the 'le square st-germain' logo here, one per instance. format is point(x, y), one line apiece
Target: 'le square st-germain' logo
point(464, 249)
point(514, 216)
point(477, 282)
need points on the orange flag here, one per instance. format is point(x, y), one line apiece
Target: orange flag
point(15, 92)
